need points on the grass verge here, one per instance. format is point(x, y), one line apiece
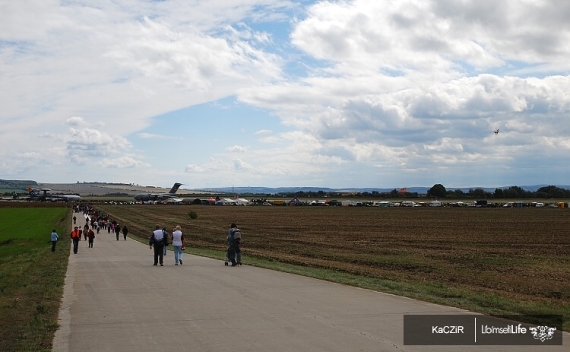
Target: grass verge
point(31, 276)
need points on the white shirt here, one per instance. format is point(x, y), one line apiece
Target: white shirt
point(177, 238)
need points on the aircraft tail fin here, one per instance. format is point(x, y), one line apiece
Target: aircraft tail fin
point(33, 192)
point(175, 188)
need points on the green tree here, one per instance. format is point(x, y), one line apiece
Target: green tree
point(477, 193)
point(437, 191)
point(456, 193)
point(551, 192)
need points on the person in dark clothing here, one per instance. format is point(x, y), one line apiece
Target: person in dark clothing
point(234, 239)
point(117, 231)
point(91, 237)
point(125, 232)
point(157, 241)
point(237, 241)
point(231, 246)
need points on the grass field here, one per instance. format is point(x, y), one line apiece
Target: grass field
point(31, 276)
point(493, 261)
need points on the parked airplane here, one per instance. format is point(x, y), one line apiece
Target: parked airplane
point(42, 195)
point(159, 196)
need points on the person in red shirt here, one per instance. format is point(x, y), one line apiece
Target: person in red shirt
point(75, 237)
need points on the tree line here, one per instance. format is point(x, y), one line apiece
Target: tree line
point(439, 191)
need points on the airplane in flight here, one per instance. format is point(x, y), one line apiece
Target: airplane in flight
point(496, 131)
point(42, 195)
point(158, 196)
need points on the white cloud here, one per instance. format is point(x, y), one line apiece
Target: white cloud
point(192, 168)
point(263, 132)
point(370, 92)
point(76, 121)
point(237, 149)
point(124, 162)
point(87, 143)
point(151, 136)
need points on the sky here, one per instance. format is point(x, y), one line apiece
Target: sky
point(285, 93)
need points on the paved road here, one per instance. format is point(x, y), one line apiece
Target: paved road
point(116, 300)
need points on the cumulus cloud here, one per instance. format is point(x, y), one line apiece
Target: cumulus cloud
point(237, 149)
point(241, 165)
point(121, 66)
point(192, 168)
point(76, 121)
point(87, 143)
point(124, 162)
point(369, 91)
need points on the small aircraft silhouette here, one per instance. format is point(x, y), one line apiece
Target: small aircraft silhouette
point(496, 131)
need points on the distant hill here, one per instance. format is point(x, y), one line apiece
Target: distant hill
point(16, 185)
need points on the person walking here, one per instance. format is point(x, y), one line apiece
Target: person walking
point(234, 240)
point(237, 242)
point(75, 237)
point(165, 240)
point(85, 230)
point(125, 232)
point(54, 238)
point(157, 241)
point(177, 244)
point(231, 247)
point(91, 237)
point(117, 231)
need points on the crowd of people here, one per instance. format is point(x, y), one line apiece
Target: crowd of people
point(159, 240)
point(95, 220)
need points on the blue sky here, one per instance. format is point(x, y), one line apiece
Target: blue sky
point(286, 93)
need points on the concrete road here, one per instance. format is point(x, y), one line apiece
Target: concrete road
point(116, 300)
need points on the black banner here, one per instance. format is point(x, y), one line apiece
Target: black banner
point(482, 330)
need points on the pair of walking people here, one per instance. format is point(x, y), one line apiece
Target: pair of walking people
point(159, 240)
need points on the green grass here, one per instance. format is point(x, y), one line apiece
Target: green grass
point(31, 276)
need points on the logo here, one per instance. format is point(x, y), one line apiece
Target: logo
point(542, 333)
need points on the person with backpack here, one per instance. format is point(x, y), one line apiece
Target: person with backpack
point(237, 241)
point(157, 240)
point(234, 239)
